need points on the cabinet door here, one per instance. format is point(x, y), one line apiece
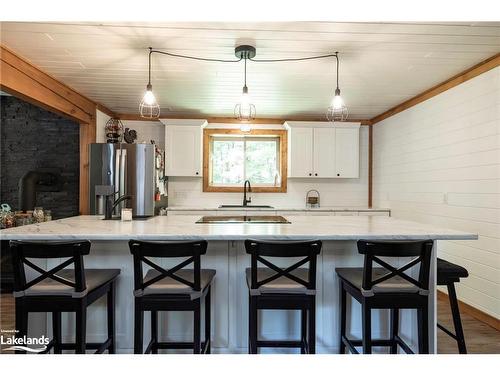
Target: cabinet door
point(183, 151)
point(301, 149)
point(347, 152)
point(324, 152)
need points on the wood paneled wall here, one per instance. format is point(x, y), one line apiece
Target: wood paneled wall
point(439, 163)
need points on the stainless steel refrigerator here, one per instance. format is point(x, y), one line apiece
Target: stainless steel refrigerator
point(129, 168)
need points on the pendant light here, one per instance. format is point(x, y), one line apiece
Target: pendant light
point(337, 110)
point(149, 107)
point(244, 111)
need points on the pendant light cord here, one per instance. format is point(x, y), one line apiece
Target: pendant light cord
point(295, 59)
point(337, 57)
point(245, 70)
point(149, 70)
point(192, 57)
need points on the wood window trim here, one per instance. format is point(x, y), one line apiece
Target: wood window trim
point(283, 142)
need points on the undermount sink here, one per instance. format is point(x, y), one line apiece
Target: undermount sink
point(254, 219)
point(241, 206)
point(135, 218)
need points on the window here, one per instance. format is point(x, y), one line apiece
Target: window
point(230, 157)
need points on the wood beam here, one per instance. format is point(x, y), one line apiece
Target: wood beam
point(87, 136)
point(106, 110)
point(232, 120)
point(456, 80)
point(46, 80)
point(21, 85)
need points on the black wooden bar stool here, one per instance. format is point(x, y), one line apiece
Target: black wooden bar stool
point(448, 274)
point(290, 288)
point(176, 289)
point(62, 290)
point(387, 287)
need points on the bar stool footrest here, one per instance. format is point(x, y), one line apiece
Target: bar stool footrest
point(352, 344)
point(99, 346)
point(176, 345)
point(279, 343)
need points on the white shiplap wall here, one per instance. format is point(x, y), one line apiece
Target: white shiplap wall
point(439, 162)
point(350, 192)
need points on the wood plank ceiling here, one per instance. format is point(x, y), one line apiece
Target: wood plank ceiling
point(382, 64)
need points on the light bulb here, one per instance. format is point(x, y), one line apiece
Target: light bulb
point(337, 102)
point(244, 110)
point(245, 127)
point(149, 97)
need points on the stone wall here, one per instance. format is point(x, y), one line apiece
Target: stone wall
point(33, 138)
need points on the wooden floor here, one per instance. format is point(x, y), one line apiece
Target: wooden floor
point(480, 337)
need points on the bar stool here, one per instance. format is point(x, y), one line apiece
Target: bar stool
point(387, 287)
point(290, 288)
point(448, 274)
point(176, 289)
point(62, 290)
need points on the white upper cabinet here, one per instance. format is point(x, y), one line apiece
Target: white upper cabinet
point(301, 159)
point(347, 152)
point(183, 147)
point(323, 150)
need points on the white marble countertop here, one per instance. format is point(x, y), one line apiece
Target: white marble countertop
point(335, 228)
point(294, 208)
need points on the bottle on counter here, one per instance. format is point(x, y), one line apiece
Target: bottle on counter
point(38, 215)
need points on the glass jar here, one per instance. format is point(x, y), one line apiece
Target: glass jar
point(48, 215)
point(38, 215)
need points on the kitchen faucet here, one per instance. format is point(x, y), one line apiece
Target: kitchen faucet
point(110, 205)
point(245, 199)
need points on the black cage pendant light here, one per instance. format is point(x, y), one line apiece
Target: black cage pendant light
point(337, 111)
point(244, 111)
point(149, 107)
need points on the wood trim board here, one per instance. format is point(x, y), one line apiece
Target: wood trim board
point(456, 80)
point(472, 311)
point(282, 134)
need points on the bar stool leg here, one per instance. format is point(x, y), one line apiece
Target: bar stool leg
point(423, 329)
point(197, 326)
point(111, 318)
point(367, 329)
point(394, 330)
point(138, 326)
point(303, 330)
point(343, 316)
point(311, 341)
point(252, 331)
point(56, 331)
point(154, 331)
point(21, 322)
point(81, 326)
point(457, 321)
point(208, 330)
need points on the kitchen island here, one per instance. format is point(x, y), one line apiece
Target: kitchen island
point(226, 254)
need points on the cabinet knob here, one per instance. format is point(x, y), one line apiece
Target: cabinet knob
point(338, 174)
point(315, 174)
point(197, 173)
point(310, 174)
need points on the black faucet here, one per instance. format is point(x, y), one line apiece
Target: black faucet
point(245, 199)
point(110, 205)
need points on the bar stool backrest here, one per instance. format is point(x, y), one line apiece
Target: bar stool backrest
point(419, 250)
point(22, 251)
point(309, 250)
point(191, 250)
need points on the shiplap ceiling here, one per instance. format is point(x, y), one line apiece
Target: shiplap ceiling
point(382, 64)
